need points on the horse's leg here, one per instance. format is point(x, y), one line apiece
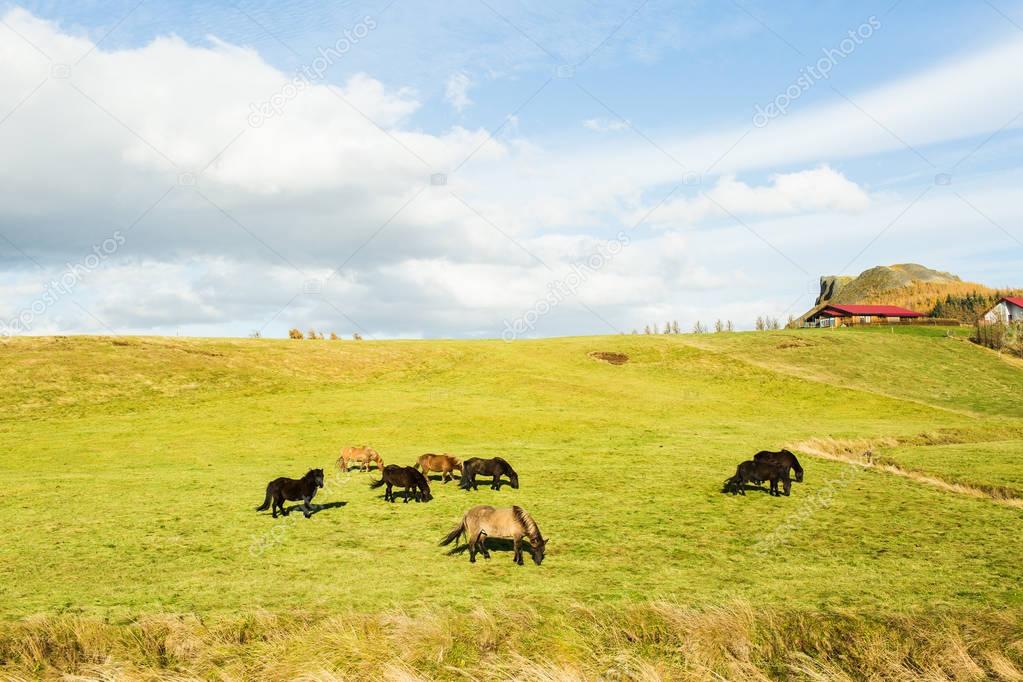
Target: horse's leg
point(307, 509)
point(517, 544)
point(472, 548)
point(406, 495)
point(389, 495)
point(788, 485)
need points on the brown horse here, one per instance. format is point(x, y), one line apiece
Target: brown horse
point(495, 467)
point(512, 523)
point(404, 477)
point(281, 489)
point(444, 464)
point(363, 455)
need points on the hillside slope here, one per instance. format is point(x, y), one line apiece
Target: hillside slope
point(137, 463)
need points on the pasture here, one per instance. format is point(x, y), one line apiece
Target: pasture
point(134, 465)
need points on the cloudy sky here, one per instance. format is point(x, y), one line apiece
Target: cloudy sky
point(480, 169)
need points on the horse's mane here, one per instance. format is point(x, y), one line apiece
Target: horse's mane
point(507, 467)
point(527, 521)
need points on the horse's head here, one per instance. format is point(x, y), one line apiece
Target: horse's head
point(316, 475)
point(513, 478)
point(424, 486)
point(539, 549)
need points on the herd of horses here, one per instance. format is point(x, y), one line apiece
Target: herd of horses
point(769, 466)
point(484, 521)
point(479, 523)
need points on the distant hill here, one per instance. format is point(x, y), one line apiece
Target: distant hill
point(913, 286)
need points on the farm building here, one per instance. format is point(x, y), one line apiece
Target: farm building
point(1008, 309)
point(838, 315)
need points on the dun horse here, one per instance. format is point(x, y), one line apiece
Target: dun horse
point(755, 472)
point(495, 467)
point(364, 456)
point(281, 489)
point(510, 523)
point(782, 458)
point(444, 464)
point(395, 476)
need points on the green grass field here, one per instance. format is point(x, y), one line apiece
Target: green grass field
point(134, 466)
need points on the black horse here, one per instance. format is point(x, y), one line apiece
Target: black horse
point(281, 489)
point(495, 467)
point(754, 472)
point(408, 478)
point(783, 458)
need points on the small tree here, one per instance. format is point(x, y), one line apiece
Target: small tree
point(357, 336)
point(698, 328)
point(729, 327)
point(773, 323)
point(255, 334)
point(719, 327)
point(760, 324)
point(667, 327)
point(295, 334)
point(646, 329)
point(333, 336)
point(674, 327)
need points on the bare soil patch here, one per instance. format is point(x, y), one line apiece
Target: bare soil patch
point(610, 358)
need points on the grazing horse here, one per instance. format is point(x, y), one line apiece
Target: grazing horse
point(404, 477)
point(754, 472)
point(782, 458)
point(512, 523)
point(364, 456)
point(281, 489)
point(444, 464)
point(495, 467)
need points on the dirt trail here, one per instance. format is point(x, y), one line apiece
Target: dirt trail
point(861, 454)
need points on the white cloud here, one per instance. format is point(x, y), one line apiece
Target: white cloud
point(810, 191)
point(603, 125)
point(456, 90)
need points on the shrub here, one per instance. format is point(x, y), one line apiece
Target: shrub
point(295, 334)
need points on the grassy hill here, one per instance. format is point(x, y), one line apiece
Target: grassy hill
point(134, 466)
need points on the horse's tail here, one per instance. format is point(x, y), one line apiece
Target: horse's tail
point(266, 502)
point(377, 483)
point(455, 532)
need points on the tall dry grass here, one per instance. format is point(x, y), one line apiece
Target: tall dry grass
point(861, 452)
point(648, 642)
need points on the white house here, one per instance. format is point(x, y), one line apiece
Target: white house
point(1009, 309)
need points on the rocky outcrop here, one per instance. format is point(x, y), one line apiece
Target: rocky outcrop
point(878, 281)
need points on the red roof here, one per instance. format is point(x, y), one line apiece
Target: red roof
point(1015, 300)
point(877, 310)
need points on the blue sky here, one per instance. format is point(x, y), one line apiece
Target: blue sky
point(563, 134)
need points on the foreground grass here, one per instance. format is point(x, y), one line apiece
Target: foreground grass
point(135, 465)
point(649, 641)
